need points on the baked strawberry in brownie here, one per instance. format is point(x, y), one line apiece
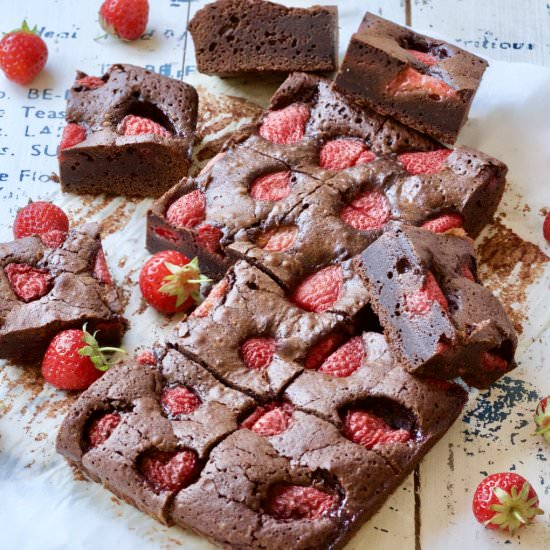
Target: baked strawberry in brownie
point(439, 320)
point(129, 132)
point(46, 290)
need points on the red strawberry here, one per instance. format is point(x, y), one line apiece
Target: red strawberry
point(27, 282)
point(124, 19)
point(299, 502)
point(466, 272)
point(167, 234)
point(505, 501)
point(74, 360)
point(546, 227)
point(102, 427)
point(216, 294)
point(44, 219)
point(168, 471)
point(170, 282)
point(422, 301)
point(270, 420)
point(344, 153)
point(188, 211)
point(23, 54)
point(101, 271)
point(132, 125)
point(443, 223)
point(368, 430)
point(428, 162)
point(146, 357)
point(209, 237)
point(277, 239)
point(322, 349)
point(89, 82)
point(177, 400)
point(410, 81)
point(542, 419)
point(492, 361)
point(369, 210)
point(257, 353)
point(271, 187)
point(72, 135)
point(286, 125)
point(345, 360)
point(424, 57)
point(319, 291)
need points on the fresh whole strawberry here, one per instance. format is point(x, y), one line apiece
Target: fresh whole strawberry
point(27, 282)
point(187, 211)
point(423, 300)
point(102, 427)
point(73, 134)
point(345, 360)
point(546, 227)
point(286, 125)
point(209, 237)
point(444, 223)
point(424, 57)
point(269, 420)
point(410, 81)
point(542, 418)
point(344, 153)
point(74, 360)
point(369, 430)
point(505, 501)
point(299, 502)
point(257, 353)
point(277, 239)
point(101, 271)
point(271, 187)
point(132, 125)
point(429, 162)
point(319, 291)
point(216, 294)
point(23, 54)
point(170, 282)
point(168, 471)
point(369, 210)
point(124, 19)
point(178, 400)
point(44, 219)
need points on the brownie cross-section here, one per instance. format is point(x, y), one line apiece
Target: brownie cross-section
point(44, 291)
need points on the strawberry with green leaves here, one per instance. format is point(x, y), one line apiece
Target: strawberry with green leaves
point(124, 19)
point(542, 418)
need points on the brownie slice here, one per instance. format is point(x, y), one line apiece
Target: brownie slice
point(233, 37)
point(44, 291)
point(110, 158)
point(424, 83)
point(144, 431)
point(439, 320)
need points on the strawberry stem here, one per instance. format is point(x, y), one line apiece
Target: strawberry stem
point(96, 353)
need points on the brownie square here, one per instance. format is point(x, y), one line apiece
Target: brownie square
point(73, 291)
point(439, 320)
point(424, 83)
point(234, 37)
point(111, 160)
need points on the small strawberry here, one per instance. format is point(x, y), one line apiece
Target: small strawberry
point(546, 227)
point(277, 239)
point(23, 54)
point(320, 351)
point(444, 223)
point(299, 502)
point(73, 134)
point(168, 471)
point(542, 419)
point(428, 162)
point(209, 237)
point(170, 282)
point(89, 82)
point(369, 430)
point(493, 362)
point(178, 400)
point(410, 81)
point(345, 360)
point(257, 353)
point(102, 427)
point(344, 153)
point(505, 501)
point(424, 57)
point(74, 360)
point(271, 187)
point(286, 125)
point(422, 301)
point(27, 282)
point(269, 420)
point(216, 294)
point(124, 19)
point(319, 291)
point(369, 210)
point(43, 219)
point(101, 271)
point(132, 125)
point(187, 211)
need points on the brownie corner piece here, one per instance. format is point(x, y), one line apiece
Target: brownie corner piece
point(129, 132)
point(425, 83)
point(44, 291)
point(233, 37)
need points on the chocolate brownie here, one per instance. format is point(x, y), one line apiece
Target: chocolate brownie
point(113, 158)
point(424, 83)
point(439, 320)
point(44, 291)
point(233, 37)
point(249, 334)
